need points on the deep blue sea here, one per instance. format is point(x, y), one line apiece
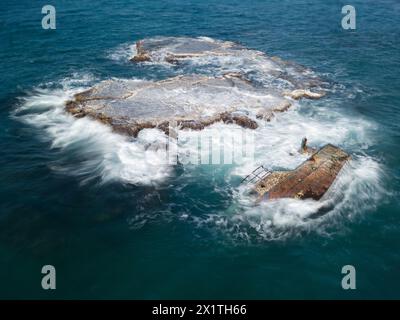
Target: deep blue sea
point(79, 197)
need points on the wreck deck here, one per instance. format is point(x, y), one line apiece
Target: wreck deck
point(310, 180)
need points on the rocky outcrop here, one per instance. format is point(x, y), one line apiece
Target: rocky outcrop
point(301, 93)
point(141, 54)
point(132, 128)
point(241, 120)
point(175, 50)
point(141, 58)
point(187, 102)
point(226, 56)
point(267, 115)
point(194, 101)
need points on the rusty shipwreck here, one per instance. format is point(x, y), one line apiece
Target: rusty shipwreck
point(311, 179)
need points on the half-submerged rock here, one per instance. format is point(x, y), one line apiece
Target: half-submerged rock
point(226, 56)
point(301, 93)
point(310, 180)
point(176, 49)
point(247, 87)
point(141, 54)
point(192, 102)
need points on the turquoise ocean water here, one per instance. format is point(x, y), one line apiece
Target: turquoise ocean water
point(80, 198)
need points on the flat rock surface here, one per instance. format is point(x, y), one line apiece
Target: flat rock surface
point(245, 87)
point(161, 48)
point(225, 56)
point(195, 99)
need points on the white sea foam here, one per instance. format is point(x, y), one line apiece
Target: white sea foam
point(222, 57)
point(103, 154)
point(358, 188)
point(123, 52)
point(111, 157)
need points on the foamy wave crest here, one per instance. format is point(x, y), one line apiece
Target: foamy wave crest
point(356, 191)
point(358, 188)
point(217, 57)
point(89, 149)
point(123, 52)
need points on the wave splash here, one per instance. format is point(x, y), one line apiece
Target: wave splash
point(90, 150)
point(87, 148)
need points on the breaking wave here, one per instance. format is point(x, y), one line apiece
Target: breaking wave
point(224, 57)
point(357, 190)
point(90, 150)
point(123, 52)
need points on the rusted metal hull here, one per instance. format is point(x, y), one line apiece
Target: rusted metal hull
point(310, 180)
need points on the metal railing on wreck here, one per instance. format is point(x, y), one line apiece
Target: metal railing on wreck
point(256, 175)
